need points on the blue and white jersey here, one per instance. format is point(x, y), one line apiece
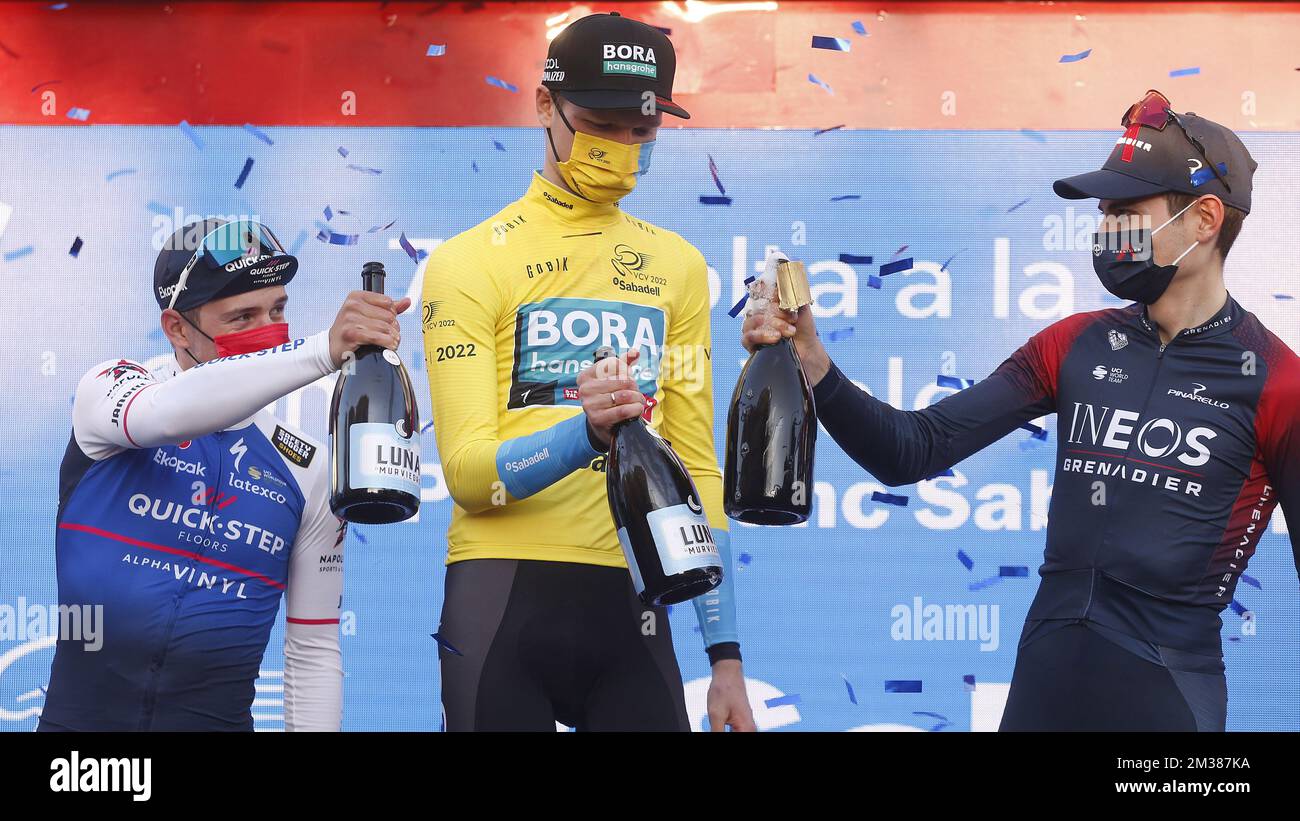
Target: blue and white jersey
point(189, 541)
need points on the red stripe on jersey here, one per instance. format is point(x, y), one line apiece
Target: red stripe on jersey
point(1247, 523)
point(118, 537)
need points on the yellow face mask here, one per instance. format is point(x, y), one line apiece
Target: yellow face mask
point(601, 170)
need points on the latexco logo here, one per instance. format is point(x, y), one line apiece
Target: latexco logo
point(128, 775)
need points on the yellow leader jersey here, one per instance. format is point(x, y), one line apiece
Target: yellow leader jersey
point(514, 308)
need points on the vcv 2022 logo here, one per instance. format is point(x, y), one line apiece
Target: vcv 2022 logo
point(555, 339)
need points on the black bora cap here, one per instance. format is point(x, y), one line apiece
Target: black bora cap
point(1148, 161)
point(609, 61)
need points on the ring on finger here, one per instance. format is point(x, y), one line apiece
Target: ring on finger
point(613, 401)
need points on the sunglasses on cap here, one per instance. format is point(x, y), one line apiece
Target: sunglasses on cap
point(227, 243)
point(1154, 111)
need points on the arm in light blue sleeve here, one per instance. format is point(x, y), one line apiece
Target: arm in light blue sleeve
point(528, 464)
point(716, 610)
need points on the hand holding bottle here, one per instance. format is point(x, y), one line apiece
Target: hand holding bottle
point(609, 394)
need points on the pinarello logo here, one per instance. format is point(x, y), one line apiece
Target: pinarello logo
point(650, 403)
point(570, 393)
point(185, 444)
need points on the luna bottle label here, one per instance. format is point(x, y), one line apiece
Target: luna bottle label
point(380, 457)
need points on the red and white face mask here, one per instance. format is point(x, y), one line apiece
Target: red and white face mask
point(252, 340)
point(249, 341)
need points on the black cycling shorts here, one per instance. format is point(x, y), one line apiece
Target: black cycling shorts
point(1071, 675)
point(524, 644)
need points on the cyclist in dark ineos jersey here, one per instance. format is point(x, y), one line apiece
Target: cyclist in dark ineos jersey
point(187, 511)
point(1179, 421)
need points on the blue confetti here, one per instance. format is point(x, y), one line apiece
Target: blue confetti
point(853, 697)
point(1013, 571)
point(1185, 72)
point(380, 227)
point(360, 536)
point(874, 281)
point(821, 131)
point(989, 582)
point(364, 170)
point(343, 152)
point(947, 472)
point(325, 235)
point(708, 200)
point(19, 253)
point(859, 28)
point(968, 681)
point(1074, 58)
point(435, 50)
point(1234, 638)
point(812, 78)
point(81, 114)
point(297, 243)
point(474, 165)
point(949, 260)
point(1252, 581)
point(855, 259)
point(1036, 136)
point(499, 83)
point(243, 175)
point(745, 558)
point(1237, 607)
point(188, 131)
point(498, 146)
point(76, 248)
point(954, 382)
point(900, 250)
point(1039, 433)
point(888, 498)
point(966, 560)
point(427, 427)
point(258, 133)
point(121, 172)
point(444, 644)
point(1017, 205)
point(831, 43)
point(844, 197)
point(903, 686)
point(713, 170)
point(43, 85)
point(1283, 297)
point(840, 335)
point(58, 7)
point(782, 701)
point(159, 208)
point(1204, 175)
point(896, 266)
point(329, 213)
point(410, 250)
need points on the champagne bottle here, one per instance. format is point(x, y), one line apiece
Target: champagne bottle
point(771, 431)
point(658, 515)
point(374, 433)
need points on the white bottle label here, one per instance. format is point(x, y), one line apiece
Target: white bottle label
point(683, 539)
point(380, 458)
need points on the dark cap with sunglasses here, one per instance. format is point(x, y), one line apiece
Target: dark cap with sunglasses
point(215, 259)
point(1161, 151)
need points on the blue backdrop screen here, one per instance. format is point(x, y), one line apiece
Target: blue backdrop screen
point(829, 610)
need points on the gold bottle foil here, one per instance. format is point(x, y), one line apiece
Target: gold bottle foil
point(792, 285)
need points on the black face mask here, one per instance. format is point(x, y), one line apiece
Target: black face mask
point(1130, 272)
